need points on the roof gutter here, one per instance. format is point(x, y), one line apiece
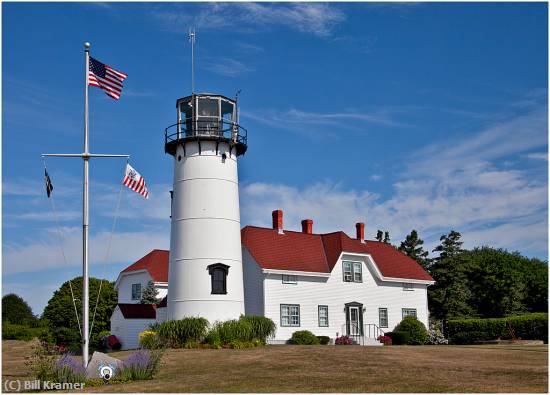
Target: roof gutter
point(296, 273)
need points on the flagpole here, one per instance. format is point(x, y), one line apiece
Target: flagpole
point(85, 219)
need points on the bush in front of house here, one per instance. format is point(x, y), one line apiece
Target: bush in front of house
point(263, 328)
point(385, 340)
point(416, 330)
point(532, 326)
point(343, 341)
point(324, 340)
point(232, 330)
point(435, 335)
point(398, 337)
point(150, 340)
point(175, 333)
point(304, 338)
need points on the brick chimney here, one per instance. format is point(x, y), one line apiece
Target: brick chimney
point(278, 220)
point(360, 228)
point(307, 226)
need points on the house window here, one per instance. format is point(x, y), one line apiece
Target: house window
point(408, 312)
point(290, 315)
point(383, 317)
point(136, 291)
point(408, 287)
point(218, 275)
point(323, 315)
point(287, 279)
point(352, 272)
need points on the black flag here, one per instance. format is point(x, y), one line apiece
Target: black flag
point(49, 186)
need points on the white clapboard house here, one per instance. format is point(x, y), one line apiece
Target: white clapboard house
point(330, 284)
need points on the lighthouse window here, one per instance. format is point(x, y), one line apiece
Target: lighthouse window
point(218, 274)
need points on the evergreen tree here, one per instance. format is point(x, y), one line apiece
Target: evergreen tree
point(379, 235)
point(451, 295)
point(16, 311)
point(450, 245)
point(150, 294)
point(412, 246)
point(387, 237)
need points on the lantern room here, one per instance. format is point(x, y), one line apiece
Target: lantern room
point(206, 117)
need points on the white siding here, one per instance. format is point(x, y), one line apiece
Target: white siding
point(125, 285)
point(161, 314)
point(127, 330)
point(310, 292)
point(253, 285)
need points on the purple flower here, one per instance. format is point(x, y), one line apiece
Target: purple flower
point(67, 360)
point(141, 358)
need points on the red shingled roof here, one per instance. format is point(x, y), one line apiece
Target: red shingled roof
point(155, 262)
point(131, 310)
point(320, 252)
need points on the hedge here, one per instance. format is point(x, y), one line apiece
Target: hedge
point(399, 337)
point(527, 327)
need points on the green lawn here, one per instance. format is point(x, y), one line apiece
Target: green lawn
point(499, 368)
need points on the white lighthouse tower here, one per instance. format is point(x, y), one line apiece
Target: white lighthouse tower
point(205, 274)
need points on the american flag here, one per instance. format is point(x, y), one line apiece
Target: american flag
point(134, 181)
point(106, 78)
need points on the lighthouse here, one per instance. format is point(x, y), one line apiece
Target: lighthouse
point(205, 277)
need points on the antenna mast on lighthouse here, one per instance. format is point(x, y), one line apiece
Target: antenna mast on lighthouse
point(192, 36)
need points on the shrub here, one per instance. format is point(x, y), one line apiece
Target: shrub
point(213, 338)
point(435, 336)
point(398, 337)
point(189, 344)
point(324, 340)
point(304, 338)
point(343, 341)
point(385, 340)
point(232, 330)
point(263, 328)
point(416, 330)
point(175, 333)
point(23, 332)
point(529, 326)
point(149, 340)
point(141, 365)
point(238, 344)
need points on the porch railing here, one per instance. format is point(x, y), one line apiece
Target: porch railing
point(370, 331)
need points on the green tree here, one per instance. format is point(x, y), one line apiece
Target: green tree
point(412, 246)
point(150, 294)
point(450, 297)
point(379, 235)
point(16, 311)
point(60, 312)
point(387, 237)
point(450, 245)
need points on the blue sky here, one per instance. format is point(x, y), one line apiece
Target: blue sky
point(405, 116)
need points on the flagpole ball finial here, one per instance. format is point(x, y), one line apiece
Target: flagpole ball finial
point(87, 45)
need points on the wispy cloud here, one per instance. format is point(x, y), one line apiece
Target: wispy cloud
point(225, 66)
point(319, 19)
point(538, 156)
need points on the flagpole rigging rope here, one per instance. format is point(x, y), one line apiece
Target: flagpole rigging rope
point(59, 235)
point(108, 252)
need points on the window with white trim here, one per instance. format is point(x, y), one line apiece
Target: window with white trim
point(136, 291)
point(290, 315)
point(408, 312)
point(352, 272)
point(289, 279)
point(408, 287)
point(323, 315)
point(383, 317)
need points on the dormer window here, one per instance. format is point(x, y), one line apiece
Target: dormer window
point(136, 291)
point(352, 272)
point(218, 275)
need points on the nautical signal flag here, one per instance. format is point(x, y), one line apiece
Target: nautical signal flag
point(49, 186)
point(106, 78)
point(134, 181)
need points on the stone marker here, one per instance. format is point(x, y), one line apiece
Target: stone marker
point(101, 365)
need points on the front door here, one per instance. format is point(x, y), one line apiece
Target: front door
point(354, 328)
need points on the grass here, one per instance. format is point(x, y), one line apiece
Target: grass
point(487, 368)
